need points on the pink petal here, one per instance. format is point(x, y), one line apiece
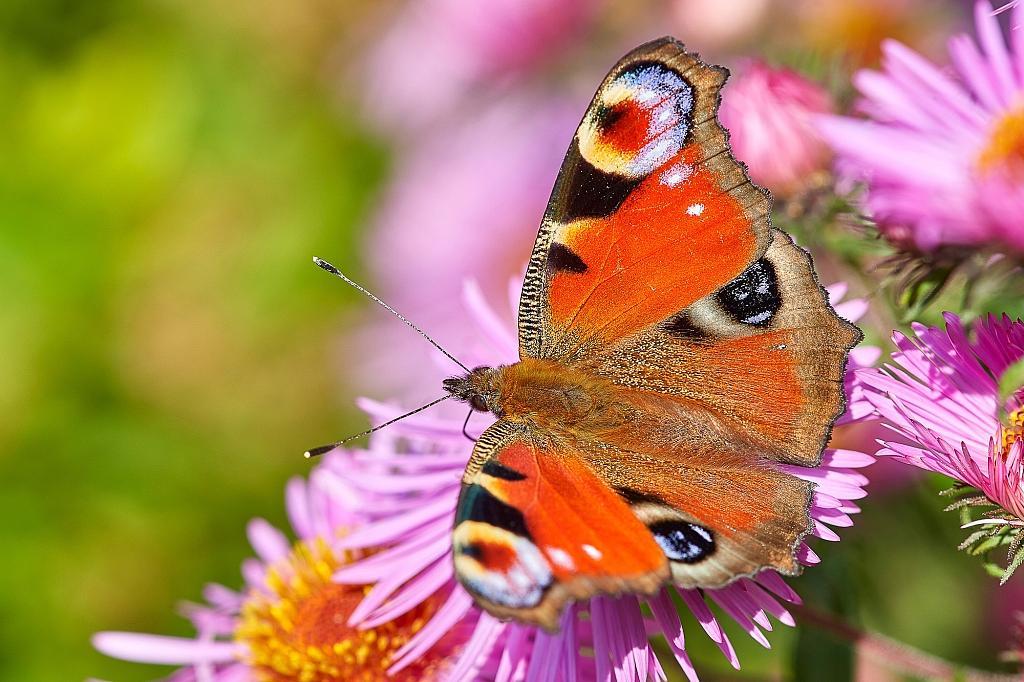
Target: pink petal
point(836, 292)
point(492, 328)
point(806, 556)
point(852, 310)
point(142, 648)
point(222, 597)
point(451, 612)
point(473, 655)
point(767, 603)
point(397, 576)
point(388, 530)
point(836, 458)
point(774, 582)
point(254, 573)
point(296, 502)
point(865, 356)
point(269, 543)
point(991, 36)
point(664, 611)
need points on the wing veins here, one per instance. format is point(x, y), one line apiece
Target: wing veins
point(602, 282)
point(598, 284)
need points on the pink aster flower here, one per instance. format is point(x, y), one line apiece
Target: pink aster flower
point(942, 397)
point(437, 50)
point(942, 155)
point(414, 509)
point(768, 115)
point(291, 621)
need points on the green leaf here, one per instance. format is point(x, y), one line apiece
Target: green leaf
point(1012, 380)
point(1014, 565)
point(994, 570)
point(972, 538)
point(989, 544)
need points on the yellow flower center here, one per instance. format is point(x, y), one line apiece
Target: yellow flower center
point(302, 633)
point(1013, 432)
point(1005, 148)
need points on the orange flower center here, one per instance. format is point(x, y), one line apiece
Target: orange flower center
point(1013, 432)
point(302, 633)
point(1005, 148)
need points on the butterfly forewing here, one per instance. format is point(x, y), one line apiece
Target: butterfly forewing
point(649, 214)
point(536, 527)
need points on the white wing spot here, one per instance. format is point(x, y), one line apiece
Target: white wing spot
point(695, 209)
point(757, 319)
point(593, 552)
point(561, 557)
point(676, 174)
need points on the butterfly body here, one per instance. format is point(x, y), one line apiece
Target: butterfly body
point(543, 394)
point(675, 349)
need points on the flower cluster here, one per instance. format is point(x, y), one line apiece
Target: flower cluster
point(942, 397)
point(768, 113)
point(943, 157)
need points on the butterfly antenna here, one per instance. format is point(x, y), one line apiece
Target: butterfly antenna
point(315, 452)
point(465, 424)
point(335, 271)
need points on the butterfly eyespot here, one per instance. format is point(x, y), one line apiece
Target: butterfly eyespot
point(639, 122)
point(478, 403)
point(753, 297)
point(503, 567)
point(684, 542)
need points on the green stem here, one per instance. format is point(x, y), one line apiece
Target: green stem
point(896, 656)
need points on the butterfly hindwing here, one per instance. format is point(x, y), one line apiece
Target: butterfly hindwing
point(536, 527)
point(717, 510)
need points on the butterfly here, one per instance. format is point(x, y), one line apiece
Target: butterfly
point(674, 349)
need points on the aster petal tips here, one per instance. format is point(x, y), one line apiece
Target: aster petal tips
point(943, 399)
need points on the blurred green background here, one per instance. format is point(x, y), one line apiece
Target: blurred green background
point(167, 350)
point(167, 169)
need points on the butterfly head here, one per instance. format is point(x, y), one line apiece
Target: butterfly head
point(480, 388)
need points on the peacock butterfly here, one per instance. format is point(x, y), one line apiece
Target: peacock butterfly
point(674, 349)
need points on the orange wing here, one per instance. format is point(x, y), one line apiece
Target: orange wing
point(650, 211)
point(536, 527)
